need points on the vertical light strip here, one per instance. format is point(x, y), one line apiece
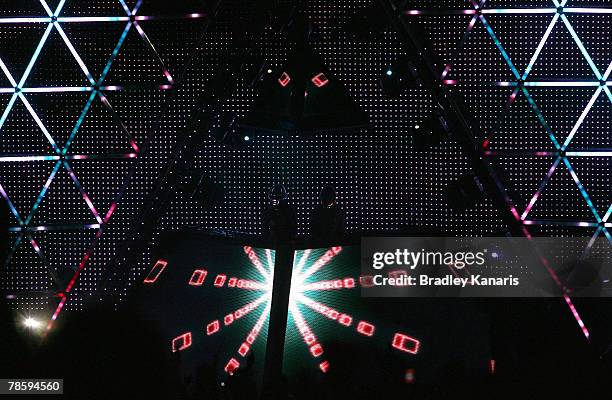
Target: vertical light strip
point(42, 42)
point(540, 46)
point(118, 120)
point(607, 215)
point(300, 265)
point(608, 93)
point(540, 116)
point(607, 234)
point(589, 245)
point(125, 7)
point(582, 189)
point(537, 194)
point(584, 52)
point(76, 56)
point(136, 7)
point(11, 205)
point(7, 111)
point(39, 123)
point(581, 324)
point(46, 7)
point(581, 118)
point(59, 8)
point(7, 73)
point(500, 47)
point(270, 262)
point(114, 54)
point(144, 36)
point(79, 122)
point(78, 185)
point(43, 192)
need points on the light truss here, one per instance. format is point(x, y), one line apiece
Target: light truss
point(601, 84)
point(60, 156)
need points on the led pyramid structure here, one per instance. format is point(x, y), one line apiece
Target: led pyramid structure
point(303, 97)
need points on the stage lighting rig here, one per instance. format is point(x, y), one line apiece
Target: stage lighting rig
point(303, 96)
point(32, 323)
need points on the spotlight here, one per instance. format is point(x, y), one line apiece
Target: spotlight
point(398, 77)
point(464, 193)
point(32, 323)
point(430, 132)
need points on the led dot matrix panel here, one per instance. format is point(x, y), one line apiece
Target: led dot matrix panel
point(89, 81)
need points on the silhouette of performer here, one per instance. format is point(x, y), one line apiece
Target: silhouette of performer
point(279, 219)
point(327, 219)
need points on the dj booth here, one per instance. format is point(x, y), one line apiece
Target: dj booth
point(242, 305)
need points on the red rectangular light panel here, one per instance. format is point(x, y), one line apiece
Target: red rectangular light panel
point(232, 366)
point(365, 328)
point(316, 350)
point(180, 343)
point(212, 328)
point(406, 343)
point(156, 271)
point(244, 349)
point(345, 319)
point(320, 80)
point(284, 79)
point(324, 366)
point(197, 279)
point(220, 280)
